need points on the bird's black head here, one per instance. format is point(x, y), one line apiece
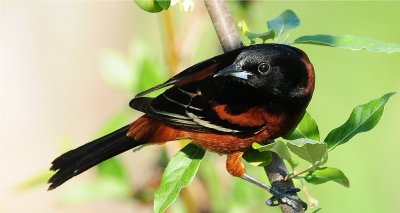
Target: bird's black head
point(272, 69)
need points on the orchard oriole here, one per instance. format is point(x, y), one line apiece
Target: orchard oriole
point(224, 104)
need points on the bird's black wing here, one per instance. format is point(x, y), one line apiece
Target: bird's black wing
point(184, 105)
point(187, 108)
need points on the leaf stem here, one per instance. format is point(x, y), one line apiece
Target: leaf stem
point(295, 174)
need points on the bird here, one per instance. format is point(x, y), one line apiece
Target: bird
point(224, 104)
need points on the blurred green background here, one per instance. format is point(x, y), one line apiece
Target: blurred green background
point(66, 78)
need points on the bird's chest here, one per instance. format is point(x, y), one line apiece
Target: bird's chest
point(280, 124)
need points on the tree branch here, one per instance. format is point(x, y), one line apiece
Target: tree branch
point(230, 40)
point(276, 172)
point(224, 26)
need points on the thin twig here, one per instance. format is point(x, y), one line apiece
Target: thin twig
point(230, 40)
point(298, 173)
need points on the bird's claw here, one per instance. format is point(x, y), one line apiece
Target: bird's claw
point(287, 196)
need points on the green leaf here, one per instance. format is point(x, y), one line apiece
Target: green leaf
point(280, 148)
point(164, 4)
point(307, 128)
point(363, 118)
point(179, 173)
point(316, 210)
point(153, 6)
point(325, 174)
point(253, 36)
point(307, 149)
point(257, 158)
point(287, 20)
point(350, 42)
point(263, 36)
point(244, 29)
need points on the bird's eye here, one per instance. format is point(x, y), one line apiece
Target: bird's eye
point(263, 67)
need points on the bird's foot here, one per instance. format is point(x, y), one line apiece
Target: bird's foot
point(287, 196)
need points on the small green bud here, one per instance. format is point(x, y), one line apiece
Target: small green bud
point(153, 6)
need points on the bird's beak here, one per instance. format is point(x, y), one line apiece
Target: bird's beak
point(233, 70)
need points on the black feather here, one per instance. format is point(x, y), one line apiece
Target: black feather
point(84, 157)
point(140, 103)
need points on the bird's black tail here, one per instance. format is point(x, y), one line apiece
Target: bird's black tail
point(84, 157)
